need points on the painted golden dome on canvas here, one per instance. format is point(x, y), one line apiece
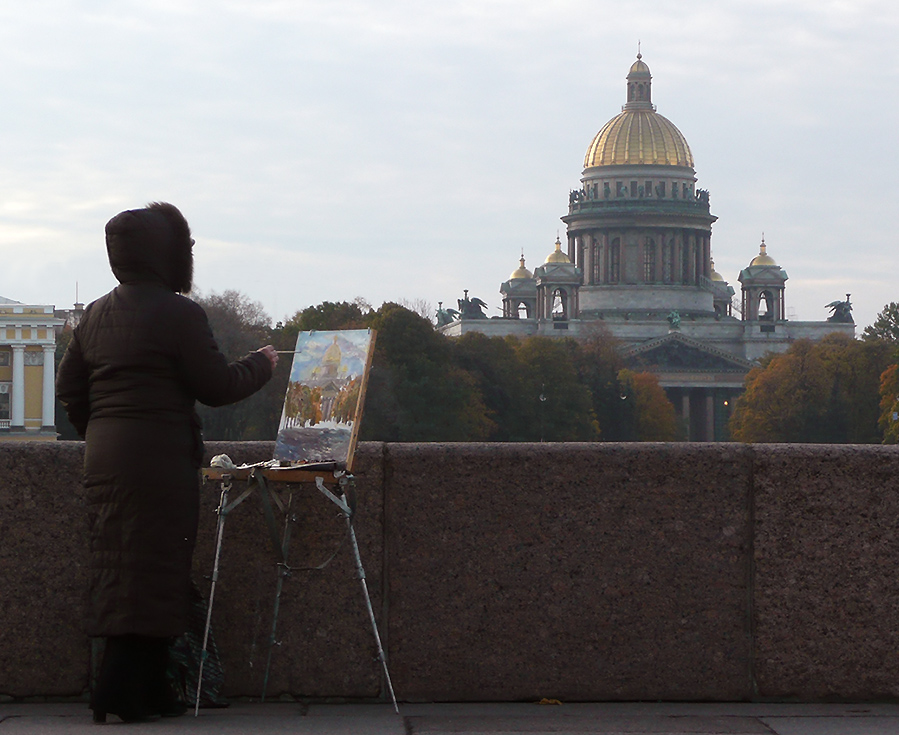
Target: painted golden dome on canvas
point(639, 135)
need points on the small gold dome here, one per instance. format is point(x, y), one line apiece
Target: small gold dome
point(557, 256)
point(763, 258)
point(716, 276)
point(521, 272)
point(639, 66)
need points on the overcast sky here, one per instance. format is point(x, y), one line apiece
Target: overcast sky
point(400, 149)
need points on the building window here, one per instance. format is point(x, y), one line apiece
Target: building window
point(660, 190)
point(560, 307)
point(633, 190)
point(4, 402)
point(4, 358)
point(649, 261)
point(606, 190)
point(594, 191)
point(667, 262)
point(685, 270)
point(686, 191)
point(647, 187)
point(34, 358)
point(619, 189)
point(674, 190)
point(615, 261)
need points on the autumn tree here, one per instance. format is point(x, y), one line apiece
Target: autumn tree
point(823, 391)
point(889, 405)
point(653, 415)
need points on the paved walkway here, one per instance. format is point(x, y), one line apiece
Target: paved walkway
point(462, 719)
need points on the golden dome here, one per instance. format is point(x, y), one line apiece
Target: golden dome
point(639, 135)
point(716, 276)
point(521, 272)
point(557, 256)
point(763, 258)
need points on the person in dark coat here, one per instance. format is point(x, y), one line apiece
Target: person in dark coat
point(140, 358)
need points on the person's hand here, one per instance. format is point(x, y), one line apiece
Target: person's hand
point(271, 353)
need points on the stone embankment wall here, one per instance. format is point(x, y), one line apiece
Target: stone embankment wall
point(513, 572)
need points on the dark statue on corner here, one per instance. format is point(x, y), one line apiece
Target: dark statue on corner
point(841, 311)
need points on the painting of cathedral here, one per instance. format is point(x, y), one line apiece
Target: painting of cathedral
point(325, 393)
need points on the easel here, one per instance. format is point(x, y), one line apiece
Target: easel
point(257, 479)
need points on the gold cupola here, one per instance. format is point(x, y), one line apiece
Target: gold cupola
point(716, 276)
point(521, 272)
point(763, 258)
point(639, 135)
point(557, 256)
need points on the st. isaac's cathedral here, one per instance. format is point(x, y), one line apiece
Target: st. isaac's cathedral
point(638, 260)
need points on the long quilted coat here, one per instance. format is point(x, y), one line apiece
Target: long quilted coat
point(140, 358)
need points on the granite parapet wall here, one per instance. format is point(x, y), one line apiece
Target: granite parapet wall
point(511, 572)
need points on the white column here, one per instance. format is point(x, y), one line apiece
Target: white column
point(17, 409)
point(48, 407)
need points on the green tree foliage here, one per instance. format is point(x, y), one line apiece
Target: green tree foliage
point(889, 405)
point(507, 393)
point(241, 326)
point(416, 392)
point(564, 408)
point(886, 327)
point(820, 392)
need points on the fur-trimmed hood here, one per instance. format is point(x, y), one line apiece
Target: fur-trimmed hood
point(151, 244)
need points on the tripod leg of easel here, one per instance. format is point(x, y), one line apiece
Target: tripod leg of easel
point(283, 571)
point(371, 613)
point(219, 533)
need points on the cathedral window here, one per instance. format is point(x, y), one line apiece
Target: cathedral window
point(685, 263)
point(634, 189)
point(686, 191)
point(660, 190)
point(594, 191)
point(647, 187)
point(606, 190)
point(674, 190)
point(649, 261)
point(619, 189)
point(667, 262)
point(560, 305)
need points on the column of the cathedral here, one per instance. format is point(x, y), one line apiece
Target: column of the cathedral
point(685, 411)
point(587, 249)
point(709, 415)
point(17, 409)
point(48, 404)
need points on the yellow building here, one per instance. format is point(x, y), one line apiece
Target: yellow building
point(27, 371)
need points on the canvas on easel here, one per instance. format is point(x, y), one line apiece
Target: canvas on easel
point(325, 394)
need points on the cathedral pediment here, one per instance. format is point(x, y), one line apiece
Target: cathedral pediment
point(676, 353)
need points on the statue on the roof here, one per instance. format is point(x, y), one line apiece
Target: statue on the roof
point(445, 316)
point(674, 319)
point(471, 308)
point(841, 311)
